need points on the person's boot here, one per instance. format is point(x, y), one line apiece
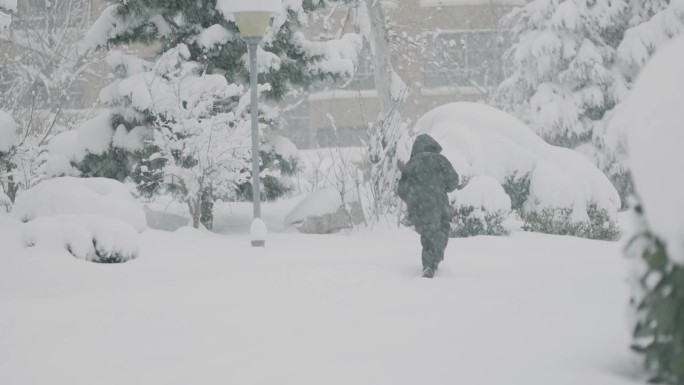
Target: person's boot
point(428, 272)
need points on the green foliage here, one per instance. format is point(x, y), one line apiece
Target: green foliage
point(272, 187)
point(105, 256)
point(624, 185)
point(469, 221)
point(115, 163)
point(659, 332)
point(559, 221)
point(517, 187)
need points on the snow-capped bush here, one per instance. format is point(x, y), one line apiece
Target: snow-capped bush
point(540, 178)
point(653, 117)
point(92, 238)
point(80, 196)
point(94, 219)
point(480, 208)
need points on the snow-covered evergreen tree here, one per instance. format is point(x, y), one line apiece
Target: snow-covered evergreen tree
point(195, 152)
point(574, 61)
point(651, 25)
point(563, 81)
point(212, 43)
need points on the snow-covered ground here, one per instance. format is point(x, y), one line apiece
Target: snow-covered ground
point(204, 308)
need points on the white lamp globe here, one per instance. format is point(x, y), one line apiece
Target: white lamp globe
point(252, 16)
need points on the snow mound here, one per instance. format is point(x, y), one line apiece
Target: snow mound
point(482, 192)
point(481, 140)
point(319, 203)
point(80, 196)
point(89, 237)
point(8, 132)
point(653, 116)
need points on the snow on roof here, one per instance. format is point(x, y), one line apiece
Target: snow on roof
point(653, 117)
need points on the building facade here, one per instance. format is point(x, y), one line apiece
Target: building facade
point(444, 50)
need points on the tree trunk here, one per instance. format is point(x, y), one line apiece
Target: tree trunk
point(381, 55)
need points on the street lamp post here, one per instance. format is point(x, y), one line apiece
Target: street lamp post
point(252, 19)
point(253, 43)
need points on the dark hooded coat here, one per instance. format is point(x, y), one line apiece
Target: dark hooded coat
point(425, 181)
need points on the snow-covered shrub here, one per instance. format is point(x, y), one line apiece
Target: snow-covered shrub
point(89, 237)
point(517, 187)
point(653, 117)
point(480, 208)
point(560, 221)
point(540, 178)
point(95, 219)
point(80, 196)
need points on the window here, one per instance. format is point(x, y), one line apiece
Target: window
point(471, 58)
point(363, 79)
point(37, 13)
point(297, 122)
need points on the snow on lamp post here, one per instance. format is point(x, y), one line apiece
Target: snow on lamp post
point(253, 18)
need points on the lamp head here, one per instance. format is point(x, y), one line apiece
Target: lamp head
point(252, 16)
point(253, 23)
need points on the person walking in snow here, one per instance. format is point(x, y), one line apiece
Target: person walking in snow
point(425, 181)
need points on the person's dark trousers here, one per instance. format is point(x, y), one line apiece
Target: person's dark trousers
point(434, 239)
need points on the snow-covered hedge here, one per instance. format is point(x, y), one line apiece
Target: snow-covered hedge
point(94, 219)
point(555, 189)
point(652, 118)
point(480, 208)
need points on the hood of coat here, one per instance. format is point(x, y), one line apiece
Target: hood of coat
point(425, 143)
